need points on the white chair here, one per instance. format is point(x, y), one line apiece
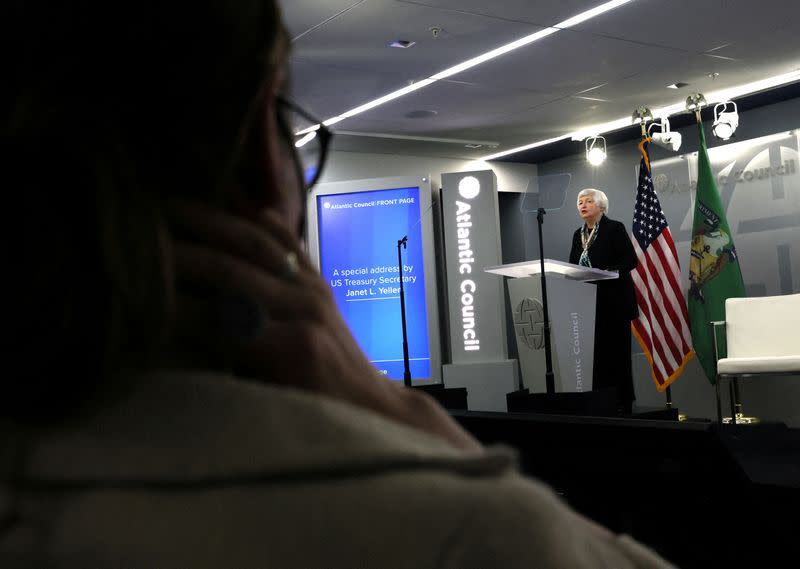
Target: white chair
point(763, 336)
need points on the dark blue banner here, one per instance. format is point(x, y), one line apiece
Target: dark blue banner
point(358, 234)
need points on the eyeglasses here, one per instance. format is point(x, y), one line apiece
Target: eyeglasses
point(310, 137)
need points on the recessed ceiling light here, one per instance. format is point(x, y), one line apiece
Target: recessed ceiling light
point(678, 85)
point(421, 114)
point(402, 44)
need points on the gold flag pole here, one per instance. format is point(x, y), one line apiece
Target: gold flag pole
point(695, 102)
point(668, 390)
point(641, 115)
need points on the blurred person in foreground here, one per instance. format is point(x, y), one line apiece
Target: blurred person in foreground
point(179, 388)
point(603, 243)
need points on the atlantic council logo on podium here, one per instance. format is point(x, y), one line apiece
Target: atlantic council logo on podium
point(529, 323)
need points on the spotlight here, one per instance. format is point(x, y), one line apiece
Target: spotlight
point(666, 138)
point(641, 115)
point(595, 150)
point(725, 121)
point(695, 102)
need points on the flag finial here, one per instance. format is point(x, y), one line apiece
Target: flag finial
point(695, 102)
point(640, 116)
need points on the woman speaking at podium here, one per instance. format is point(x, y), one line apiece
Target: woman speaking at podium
point(603, 243)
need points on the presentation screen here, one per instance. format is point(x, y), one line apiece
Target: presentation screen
point(354, 229)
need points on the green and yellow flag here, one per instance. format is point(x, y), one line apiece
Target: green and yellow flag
point(714, 272)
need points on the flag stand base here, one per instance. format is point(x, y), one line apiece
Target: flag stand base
point(741, 419)
point(657, 413)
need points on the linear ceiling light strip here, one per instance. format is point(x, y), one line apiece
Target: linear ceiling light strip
point(470, 63)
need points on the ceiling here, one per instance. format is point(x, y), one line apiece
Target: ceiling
point(595, 72)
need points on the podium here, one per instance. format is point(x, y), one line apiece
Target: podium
point(571, 309)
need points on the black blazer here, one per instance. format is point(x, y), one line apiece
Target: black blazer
point(612, 250)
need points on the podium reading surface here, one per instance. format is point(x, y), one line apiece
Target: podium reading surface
point(567, 270)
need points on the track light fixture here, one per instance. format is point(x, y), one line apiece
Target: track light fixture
point(725, 121)
point(665, 138)
point(595, 150)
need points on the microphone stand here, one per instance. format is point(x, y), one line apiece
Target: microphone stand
point(406, 370)
point(549, 377)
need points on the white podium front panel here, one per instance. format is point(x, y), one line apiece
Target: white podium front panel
point(571, 307)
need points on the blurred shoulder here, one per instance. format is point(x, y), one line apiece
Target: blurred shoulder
point(519, 522)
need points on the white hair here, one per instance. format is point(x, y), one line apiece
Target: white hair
point(599, 196)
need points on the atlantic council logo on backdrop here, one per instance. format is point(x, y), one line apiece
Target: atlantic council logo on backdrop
point(469, 187)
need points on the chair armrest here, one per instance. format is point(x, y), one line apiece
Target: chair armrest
point(714, 326)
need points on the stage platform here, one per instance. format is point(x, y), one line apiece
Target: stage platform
point(702, 495)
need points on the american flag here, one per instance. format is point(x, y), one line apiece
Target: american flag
point(662, 327)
